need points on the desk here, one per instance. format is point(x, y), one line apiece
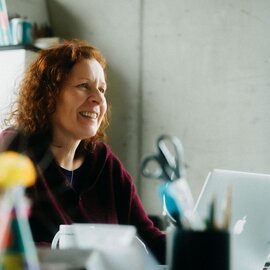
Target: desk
point(78, 259)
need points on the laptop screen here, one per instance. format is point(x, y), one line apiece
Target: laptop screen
point(250, 214)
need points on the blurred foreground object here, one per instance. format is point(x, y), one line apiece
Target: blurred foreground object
point(17, 249)
point(16, 169)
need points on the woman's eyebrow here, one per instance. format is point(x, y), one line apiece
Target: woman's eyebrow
point(83, 78)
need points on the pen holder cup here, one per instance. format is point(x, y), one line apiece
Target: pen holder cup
point(204, 250)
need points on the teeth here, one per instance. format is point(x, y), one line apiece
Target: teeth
point(89, 114)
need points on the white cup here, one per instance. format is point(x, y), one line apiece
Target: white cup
point(101, 236)
point(64, 238)
point(117, 246)
point(87, 236)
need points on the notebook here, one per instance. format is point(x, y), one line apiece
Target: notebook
point(250, 216)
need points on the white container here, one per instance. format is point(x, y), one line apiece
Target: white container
point(21, 31)
point(64, 238)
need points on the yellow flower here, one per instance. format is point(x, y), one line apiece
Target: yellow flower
point(16, 169)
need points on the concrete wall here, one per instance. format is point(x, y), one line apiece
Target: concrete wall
point(33, 10)
point(206, 79)
point(115, 30)
point(195, 69)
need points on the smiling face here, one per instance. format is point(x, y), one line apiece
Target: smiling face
point(81, 104)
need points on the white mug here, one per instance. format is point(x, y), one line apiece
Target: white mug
point(117, 246)
point(85, 236)
point(64, 238)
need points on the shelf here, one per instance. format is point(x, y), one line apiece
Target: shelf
point(18, 47)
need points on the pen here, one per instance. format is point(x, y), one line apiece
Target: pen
point(227, 209)
point(210, 221)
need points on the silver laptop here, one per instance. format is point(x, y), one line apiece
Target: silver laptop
point(250, 214)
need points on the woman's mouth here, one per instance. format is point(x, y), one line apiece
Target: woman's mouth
point(91, 115)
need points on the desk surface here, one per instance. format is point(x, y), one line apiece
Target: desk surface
point(72, 259)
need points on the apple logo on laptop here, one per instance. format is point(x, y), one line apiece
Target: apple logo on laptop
point(239, 225)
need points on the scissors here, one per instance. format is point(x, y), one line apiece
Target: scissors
point(167, 164)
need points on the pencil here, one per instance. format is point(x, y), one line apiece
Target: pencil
point(228, 209)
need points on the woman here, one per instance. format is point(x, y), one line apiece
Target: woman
point(61, 117)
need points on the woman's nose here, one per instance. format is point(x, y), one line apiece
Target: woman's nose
point(96, 96)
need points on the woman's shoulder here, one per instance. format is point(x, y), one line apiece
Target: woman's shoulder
point(8, 132)
point(103, 154)
point(6, 137)
point(103, 150)
point(13, 139)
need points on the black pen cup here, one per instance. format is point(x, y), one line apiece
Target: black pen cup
point(204, 250)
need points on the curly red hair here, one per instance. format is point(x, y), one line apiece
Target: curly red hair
point(41, 85)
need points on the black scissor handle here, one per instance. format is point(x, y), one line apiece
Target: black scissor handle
point(175, 160)
point(167, 164)
point(147, 170)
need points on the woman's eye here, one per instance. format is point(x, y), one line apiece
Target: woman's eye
point(102, 90)
point(83, 85)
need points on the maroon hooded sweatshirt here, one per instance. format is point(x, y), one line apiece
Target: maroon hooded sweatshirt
point(102, 192)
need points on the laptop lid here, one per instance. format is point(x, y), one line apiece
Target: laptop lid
point(250, 214)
